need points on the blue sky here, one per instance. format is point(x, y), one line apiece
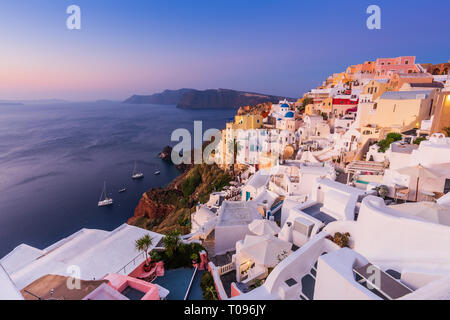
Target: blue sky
point(280, 47)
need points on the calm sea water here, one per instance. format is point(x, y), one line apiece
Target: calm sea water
point(55, 158)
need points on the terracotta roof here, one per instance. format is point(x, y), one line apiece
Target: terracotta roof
point(42, 287)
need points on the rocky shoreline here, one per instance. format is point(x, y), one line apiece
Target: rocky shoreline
point(167, 209)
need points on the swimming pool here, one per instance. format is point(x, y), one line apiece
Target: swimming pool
point(177, 282)
point(133, 294)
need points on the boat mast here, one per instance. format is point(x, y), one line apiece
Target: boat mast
point(103, 192)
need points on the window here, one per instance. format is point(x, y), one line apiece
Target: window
point(406, 62)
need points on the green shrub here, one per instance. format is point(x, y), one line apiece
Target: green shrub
point(418, 141)
point(390, 139)
point(257, 283)
point(184, 222)
point(178, 254)
point(194, 257)
point(203, 198)
point(394, 136)
point(155, 256)
point(446, 130)
point(342, 239)
point(222, 181)
point(191, 183)
point(383, 191)
point(208, 287)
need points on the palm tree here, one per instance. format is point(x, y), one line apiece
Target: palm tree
point(144, 244)
point(211, 291)
point(234, 147)
point(171, 242)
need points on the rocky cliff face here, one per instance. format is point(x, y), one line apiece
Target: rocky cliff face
point(150, 209)
point(208, 99)
point(166, 154)
point(168, 97)
point(154, 206)
point(259, 109)
point(168, 209)
point(223, 98)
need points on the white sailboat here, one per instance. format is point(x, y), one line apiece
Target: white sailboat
point(104, 199)
point(137, 175)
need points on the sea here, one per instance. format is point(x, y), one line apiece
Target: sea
point(55, 158)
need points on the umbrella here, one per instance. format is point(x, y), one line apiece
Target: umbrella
point(265, 250)
point(264, 227)
point(421, 173)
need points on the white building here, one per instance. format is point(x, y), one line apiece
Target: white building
point(255, 186)
point(330, 201)
point(295, 178)
point(409, 256)
point(232, 224)
point(8, 290)
point(92, 254)
point(426, 166)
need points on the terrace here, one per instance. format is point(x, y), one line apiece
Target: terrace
point(315, 212)
point(135, 289)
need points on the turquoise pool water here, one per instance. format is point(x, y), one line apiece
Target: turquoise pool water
point(196, 292)
point(177, 282)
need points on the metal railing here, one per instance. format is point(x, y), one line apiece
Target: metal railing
point(226, 269)
point(124, 268)
point(190, 284)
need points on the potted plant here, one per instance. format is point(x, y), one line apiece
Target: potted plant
point(194, 258)
point(144, 244)
point(342, 239)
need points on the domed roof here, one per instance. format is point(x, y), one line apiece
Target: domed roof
point(289, 114)
point(285, 105)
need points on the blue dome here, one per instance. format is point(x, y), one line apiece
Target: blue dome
point(289, 114)
point(285, 105)
point(279, 119)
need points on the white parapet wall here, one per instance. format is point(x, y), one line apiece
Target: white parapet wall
point(390, 238)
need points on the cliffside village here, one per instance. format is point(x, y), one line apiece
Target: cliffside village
point(343, 194)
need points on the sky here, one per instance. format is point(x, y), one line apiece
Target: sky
point(282, 47)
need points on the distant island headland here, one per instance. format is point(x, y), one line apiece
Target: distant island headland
point(207, 99)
